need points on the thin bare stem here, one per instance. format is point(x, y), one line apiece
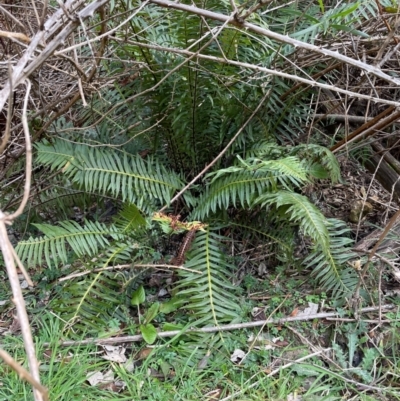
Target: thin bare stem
point(28, 151)
point(216, 329)
point(205, 169)
point(23, 373)
point(128, 266)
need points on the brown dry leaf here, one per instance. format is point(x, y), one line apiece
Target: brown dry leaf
point(310, 310)
point(357, 265)
point(282, 343)
point(237, 356)
point(263, 341)
point(47, 353)
point(143, 353)
point(293, 397)
point(155, 373)
point(204, 361)
point(15, 325)
point(115, 386)
point(98, 377)
point(294, 312)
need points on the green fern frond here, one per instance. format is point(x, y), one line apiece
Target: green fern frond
point(84, 241)
point(330, 252)
point(241, 184)
point(298, 209)
point(330, 266)
point(88, 303)
point(265, 150)
point(129, 219)
point(210, 296)
point(316, 156)
point(108, 171)
point(265, 233)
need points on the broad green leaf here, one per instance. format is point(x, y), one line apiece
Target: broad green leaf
point(149, 333)
point(349, 29)
point(138, 297)
point(170, 305)
point(152, 312)
point(172, 327)
point(346, 11)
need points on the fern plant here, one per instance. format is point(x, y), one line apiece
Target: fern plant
point(147, 137)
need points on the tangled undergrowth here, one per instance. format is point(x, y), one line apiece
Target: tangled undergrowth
point(204, 176)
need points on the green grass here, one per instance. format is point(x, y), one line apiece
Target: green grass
point(64, 370)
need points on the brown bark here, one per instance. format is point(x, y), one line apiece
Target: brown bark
point(384, 174)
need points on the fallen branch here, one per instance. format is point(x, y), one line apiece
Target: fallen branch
point(214, 329)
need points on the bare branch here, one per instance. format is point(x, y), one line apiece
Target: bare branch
point(6, 137)
point(268, 71)
point(28, 150)
point(216, 329)
point(281, 38)
point(23, 373)
point(23, 70)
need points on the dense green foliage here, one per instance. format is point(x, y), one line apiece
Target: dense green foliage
point(154, 127)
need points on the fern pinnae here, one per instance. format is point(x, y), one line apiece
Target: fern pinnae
point(127, 176)
point(244, 183)
point(84, 240)
point(330, 266)
point(90, 287)
point(207, 257)
point(327, 258)
point(301, 211)
point(277, 237)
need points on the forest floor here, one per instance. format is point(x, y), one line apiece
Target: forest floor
point(303, 346)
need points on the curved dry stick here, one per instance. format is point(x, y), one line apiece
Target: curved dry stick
point(28, 151)
point(23, 373)
point(9, 260)
point(7, 133)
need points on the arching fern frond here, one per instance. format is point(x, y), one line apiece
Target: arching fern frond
point(331, 268)
point(319, 156)
point(89, 302)
point(329, 252)
point(241, 184)
point(84, 241)
point(210, 296)
point(298, 209)
point(129, 219)
point(122, 175)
